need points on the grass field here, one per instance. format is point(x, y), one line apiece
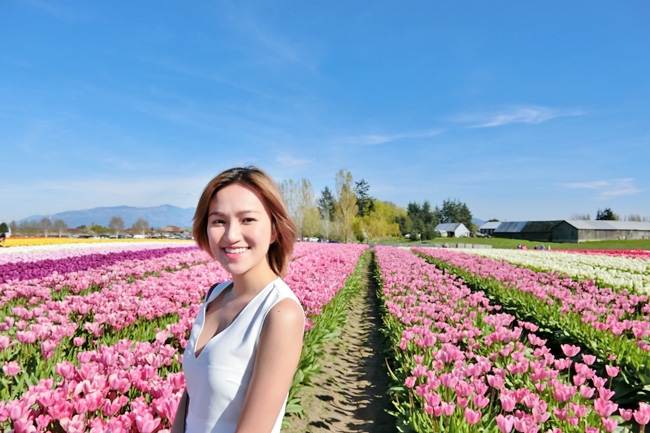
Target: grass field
point(513, 243)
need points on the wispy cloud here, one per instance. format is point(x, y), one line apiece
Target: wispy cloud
point(519, 114)
point(607, 188)
point(289, 161)
point(373, 139)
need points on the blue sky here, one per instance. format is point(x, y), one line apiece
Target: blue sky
point(523, 110)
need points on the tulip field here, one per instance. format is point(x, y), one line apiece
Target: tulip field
point(92, 335)
point(484, 345)
point(91, 338)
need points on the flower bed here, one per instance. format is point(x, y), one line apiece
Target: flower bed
point(617, 271)
point(109, 358)
point(467, 367)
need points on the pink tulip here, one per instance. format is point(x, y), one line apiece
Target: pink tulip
point(626, 414)
point(146, 423)
point(505, 423)
point(480, 401)
point(642, 414)
point(612, 371)
point(609, 424)
point(11, 368)
point(604, 408)
point(472, 416)
point(507, 402)
point(588, 359)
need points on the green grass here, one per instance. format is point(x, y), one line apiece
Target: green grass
point(513, 243)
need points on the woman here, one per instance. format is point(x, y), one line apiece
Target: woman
point(246, 342)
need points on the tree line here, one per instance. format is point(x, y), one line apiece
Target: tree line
point(350, 213)
point(58, 228)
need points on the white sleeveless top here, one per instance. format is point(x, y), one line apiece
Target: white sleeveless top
point(218, 378)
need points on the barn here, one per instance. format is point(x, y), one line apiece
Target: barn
point(582, 231)
point(572, 230)
point(488, 228)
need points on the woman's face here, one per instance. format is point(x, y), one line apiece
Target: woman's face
point(239, 231)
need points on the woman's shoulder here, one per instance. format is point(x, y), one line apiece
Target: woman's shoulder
point(286, 305)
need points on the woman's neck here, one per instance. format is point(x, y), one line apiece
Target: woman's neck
point(253, 281)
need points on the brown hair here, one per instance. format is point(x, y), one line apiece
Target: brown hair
point(269, 193)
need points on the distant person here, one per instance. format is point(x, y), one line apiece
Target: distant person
point(246, 341)
point(3, 238)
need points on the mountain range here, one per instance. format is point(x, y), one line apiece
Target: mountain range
point(157, 216)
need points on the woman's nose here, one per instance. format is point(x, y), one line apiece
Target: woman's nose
point(232, 232)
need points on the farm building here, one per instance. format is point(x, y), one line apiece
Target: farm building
point(580, 231)
point(573, 230)
point(489, 227)
point(452, 230)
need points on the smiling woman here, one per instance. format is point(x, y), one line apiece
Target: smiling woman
point(246, 341)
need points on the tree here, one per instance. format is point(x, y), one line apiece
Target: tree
point(141, 226)
point(582, 217)
point(326, 204)
point(364, 201)
point(455, 211)
point(290, 192)
point(299, 197)
point(46, 226)
point(60, 226)
point(311, 222)
point(346, 206)
point(636, 217)
point(116, 225)
point(607, 214)
point(4, 228)
point(326, 208)
point(381, 222)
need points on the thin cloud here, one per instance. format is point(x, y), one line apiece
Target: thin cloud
point(289, 161)
point(607, 188)
point(381, 139)
point(522, 114)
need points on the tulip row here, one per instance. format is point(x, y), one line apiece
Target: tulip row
point(105, 329)
point(465, 366)
point(601, 320)
point(616, 271)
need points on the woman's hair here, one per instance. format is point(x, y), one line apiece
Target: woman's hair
point(269, 193)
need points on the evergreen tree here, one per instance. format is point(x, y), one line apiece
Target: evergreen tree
point(364, 201)
point(326, 204)
point(607, 214)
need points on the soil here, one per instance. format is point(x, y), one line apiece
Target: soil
point(351, 392)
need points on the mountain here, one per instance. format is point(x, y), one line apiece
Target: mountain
point(478, 222)
point(157, 216)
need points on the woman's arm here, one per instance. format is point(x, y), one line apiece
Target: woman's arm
point(179, 420)
point(278, 353)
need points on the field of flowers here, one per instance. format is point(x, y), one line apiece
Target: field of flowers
point(616, 269)
point(91, 337)
point(482, 345)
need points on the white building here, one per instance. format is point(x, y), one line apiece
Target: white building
point(452, 230)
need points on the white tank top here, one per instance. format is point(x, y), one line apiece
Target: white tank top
point(218, 378)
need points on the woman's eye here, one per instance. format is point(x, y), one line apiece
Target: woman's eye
point(217, 222)
point(248, 220)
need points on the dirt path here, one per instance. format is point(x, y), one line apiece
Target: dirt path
point(351, 393)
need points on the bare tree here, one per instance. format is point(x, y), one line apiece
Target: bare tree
point(308, 211)
point(46, 226)
point(141, 226)
point(60, 226)
point(290, 191)
point(116, 225)
point(578, 216)
point(346, 206)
